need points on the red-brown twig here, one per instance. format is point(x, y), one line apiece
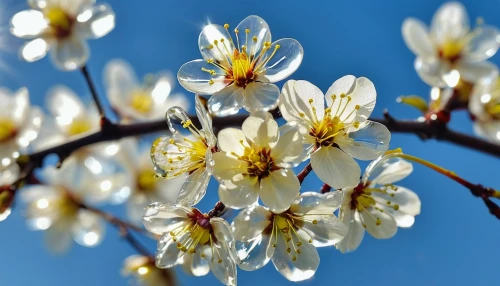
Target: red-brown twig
point(303, 174)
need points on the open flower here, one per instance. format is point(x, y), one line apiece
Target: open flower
point(19, 124)
point(257, 161)
point(338, 132)
point(55, 208)
point(198, 242)
point(138, 102)
point(192, 156)
point(378, 205)
point(144, 271)
point(484, 105)
point(450, 51)
point(239, 72)
point(289, 238)
point(62, 27)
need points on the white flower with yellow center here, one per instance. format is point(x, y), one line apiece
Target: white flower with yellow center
point(289, 238)
point(191, 156)
point(484, 105)
point(19, 124)
point(54, 208)
point(378, 205)
point(256, 161)
point(62, 27)
point(134, 101)
point(450, 51)
point(144, 271)
point(240, 72)
point(339, 132)
point(198, 242)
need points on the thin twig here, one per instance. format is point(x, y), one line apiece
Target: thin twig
point(303, 174)
point(325, 189)
point(95, 96)
point(112, 219)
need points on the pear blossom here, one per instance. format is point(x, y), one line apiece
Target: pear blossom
point(484, 106)
point(54, 207)
point(450, 51)
point(257, 161)
point(134, 101)
point(290, 238)
point(339, 132)
point(240, 72)
point(144, 271)
point(376, 204)
point(19, 124)
point(63, 28)
point(196, 241)
point(181, 156)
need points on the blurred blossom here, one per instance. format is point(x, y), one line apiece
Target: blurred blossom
point(376, 204)
point(339, 132)
point(257, 161)
point(19, 124)
point(450, 52)
point(54, 207)
point(484, 106)
point(8, 175)
point(143, 185)
point(196, 241)
point(134, 101)
point(290, 238)
point(240, 72)
point(144, 272)
point(63, 28)
point(191, 156)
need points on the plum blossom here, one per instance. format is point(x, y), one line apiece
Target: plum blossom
point(484, 106)
point(143, 270)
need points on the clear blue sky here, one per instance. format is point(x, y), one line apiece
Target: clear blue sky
point(453, 242)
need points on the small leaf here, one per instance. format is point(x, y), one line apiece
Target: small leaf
point(414, 101)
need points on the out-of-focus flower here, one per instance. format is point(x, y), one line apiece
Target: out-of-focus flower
point(8, 175)
point(55, 208)
point(178, 155)
point(138, 102)
point(289, 238)
point(378, 205)
point(239, 72)
point(144, 187)
point(144, 271)
point(484, 105)
point(450, 51)
point(339, 132)
point(257, 161)
point(63, 28)
point(19, 124)
point(194, 240)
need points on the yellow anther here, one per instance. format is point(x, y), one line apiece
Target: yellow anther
point(334, 96)
point(277, 47)
point(302, 114)
point(357, 107)
point(289, 250)
point(211, 82)
point(310, 241)
point(294, 258)
point(274, 245)
point(236, 31)
point(186, 124)
point(299, 251)
point(171, 141)
point(210, 47)
point(210, 61)
point(342, 95)
point(311, 100)
point(216, 42)
point(288, 239)
point(254, 38)
point(378, 222)
point(203, 255)
point(247, 31)
point(396, 207)
point(299, 243)
point(222, 40)
point(388, 202)
point(267, 44)
point(392, 195)
point(226, 26)
point(315, 222)
point(219, 261)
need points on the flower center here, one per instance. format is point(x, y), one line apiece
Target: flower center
point(491, 101)
point(141, 101)
point(259, 161)
point(451, 50)
point(239, 64)
point(286, 226)
point(60, 22)
point(7, 130)
point(198, 232)
point(146, 180)
point(79, 126)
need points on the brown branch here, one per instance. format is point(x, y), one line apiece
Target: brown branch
point(325, 189)
point(303, 174)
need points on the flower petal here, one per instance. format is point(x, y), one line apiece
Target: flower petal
point(261, 96)
point(368, 142)
point(335, 167)
point(120, 80)
point(328, 230)
point(192, 77)
point(285, 61)
point(289, 148)
point(257, 28)
point(301, 98)
point(28, 24)
point(355, 232)
point(96, 22)
point(194, 264)
point(483, 44)
point(406, 200)
point(227, 138)
point(417, 38)
point(240, 194)
point(279, 190)
point(450, 22)
point(226, 167)
point(312, 203)
point(70, 54)
point(261, 129)
point(167, 254)
point(387, 171)
point(163, 218)
point(227, 101)
point(88, 229)
point(475, 72)
point(255, 253)
point(58, 237)
point(379, 223)
point(223, 267)
point(488, 129)
point(205, 121)
point(195, 187)
point(251, 222)
point(34, 50)
point(214, 44)
point(435, 72)
point(63, 103)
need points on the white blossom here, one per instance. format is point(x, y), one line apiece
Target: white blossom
point(378, 205)
point(240, 72)
point(484, 105)
point(135, 101)
point(339, 132)
point(290, 238)
point(144, 271)
point(450, 51)
point(63, 28)
point(196, 241)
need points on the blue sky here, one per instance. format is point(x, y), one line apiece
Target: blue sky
point(453, 242)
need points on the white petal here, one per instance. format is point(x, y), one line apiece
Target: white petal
point(257, 28)
point(328, 230)
point(209, 50)
point(231, 140)
point(120, 80)
point(34, 50)
point(361, 91)
point(251, 222)
point(96, 22)
point(194, 264)
point(406, 200)
point(488, 129)
point(206, 122)
point(301, 97)
point(417, 38)
point(260, 129)
point(28, 24)
point(279, 190)
point(195, 187)
point(312, 203)
point(387, 171)
point(136, 207)
point(289, 147)
point(335, 168)
point(73, 7)
point(226, 166)
point(355, 232)
point(88, 229)
point(63, 103)
point(478, 72)
point(379, 224)
point(194, 79)
point(450, 22)
point(167, 253)
point(255, 253)
point(368, 142)
point(481, 92)
point(285, 61)
point(225, 270)
point(435, 72)
point(227, 101)
point(261, 96)
point(58, 237)
point(483, 44)
point(224, 234)
point(70, 54)
point(160, 219)
point(241, 195)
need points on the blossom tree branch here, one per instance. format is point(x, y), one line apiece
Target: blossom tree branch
point(104, 120)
